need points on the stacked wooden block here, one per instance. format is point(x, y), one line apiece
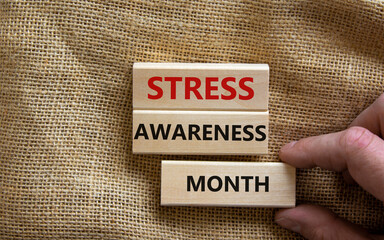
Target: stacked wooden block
point(209, 109)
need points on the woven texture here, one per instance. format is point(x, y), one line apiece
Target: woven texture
point(66, 165)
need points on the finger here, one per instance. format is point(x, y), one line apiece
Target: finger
point(314, 222)
point(356, 149)
point(372, 118)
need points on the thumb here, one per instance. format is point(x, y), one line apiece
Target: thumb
point(314, 222)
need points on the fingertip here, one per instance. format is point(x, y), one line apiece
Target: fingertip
point(288, 224)
point(315, 222)
point(291, 218)
point(289, 146)
point(281, 214)
point(302, 218)
point(286, 149)
point(296, 213)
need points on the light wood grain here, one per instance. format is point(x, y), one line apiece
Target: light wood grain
point(279, 193)
point(142, 72)
point(239, 141)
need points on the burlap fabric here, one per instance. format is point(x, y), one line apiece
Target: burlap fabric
point(67, 169)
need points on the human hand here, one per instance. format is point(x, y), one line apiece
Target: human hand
point(357, 152)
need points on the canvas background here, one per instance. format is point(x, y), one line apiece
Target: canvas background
point(66, 165)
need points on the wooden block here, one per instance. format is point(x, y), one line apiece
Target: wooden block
point(200, 86)
point(200, 132)
point(240, 184)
